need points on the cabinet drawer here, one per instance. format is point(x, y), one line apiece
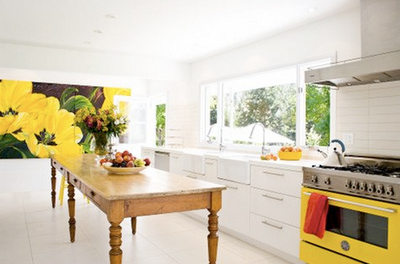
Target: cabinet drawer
point(73, 180)
point(277, 206)
point(277, 180)
point(275, 234)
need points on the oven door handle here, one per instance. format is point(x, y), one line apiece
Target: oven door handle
point(387, 210)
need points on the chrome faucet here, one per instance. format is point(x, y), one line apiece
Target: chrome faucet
point(221, 146)
point(209, 140)
point(264, 149)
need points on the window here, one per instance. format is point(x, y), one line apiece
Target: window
point(289, 115)
point(160, 124)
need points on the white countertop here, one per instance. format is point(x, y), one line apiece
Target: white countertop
point(254, 159)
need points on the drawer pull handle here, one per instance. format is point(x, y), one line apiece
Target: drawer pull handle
point(275, 226)
point(174, 157)
point(231, 187)
point(75, 180)
point(274, 173)
point(209, 163)
point(272, 197)
point(192, 177)
point(61, 168)
point(92, 193)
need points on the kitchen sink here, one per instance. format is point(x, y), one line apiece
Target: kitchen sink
point(193, 162)
point(235, 167)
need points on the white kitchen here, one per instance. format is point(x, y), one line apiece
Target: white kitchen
point(185, 54)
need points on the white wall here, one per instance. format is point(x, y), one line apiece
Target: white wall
point(336, 35)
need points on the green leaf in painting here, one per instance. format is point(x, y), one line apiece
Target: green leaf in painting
point(76, 102)
point(94, 95)
point(67, 94)
point(10, 148)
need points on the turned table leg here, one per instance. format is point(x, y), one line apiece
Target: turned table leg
point(213, 227)
point(115, 217)
point(133, 224)
point(71, 210)
point(212, 237)
point(53, 186)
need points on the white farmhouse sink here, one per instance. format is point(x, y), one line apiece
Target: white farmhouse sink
point(234, 168)
point(193, 162)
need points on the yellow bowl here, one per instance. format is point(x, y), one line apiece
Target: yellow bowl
point(289, 155)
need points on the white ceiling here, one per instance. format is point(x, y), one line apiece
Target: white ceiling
point(180, 30)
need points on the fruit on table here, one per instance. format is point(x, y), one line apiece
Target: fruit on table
point(269, 156)
point(125, 159)
point(147, 161)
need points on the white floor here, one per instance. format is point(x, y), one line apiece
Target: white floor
point(31, 232)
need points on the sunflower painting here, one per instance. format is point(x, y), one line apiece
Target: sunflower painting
point(37, 119)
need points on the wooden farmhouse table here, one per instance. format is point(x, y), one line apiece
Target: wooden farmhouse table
point(149, 192)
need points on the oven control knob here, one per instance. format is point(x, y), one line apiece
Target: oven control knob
point(314, 179)
point(389, 191)
point(327, 180)
point(347, 184)
point(363, 186)
point(379, 189)
point(371, 187)
point(354, 185)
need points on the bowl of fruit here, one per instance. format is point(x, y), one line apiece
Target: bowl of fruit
point(290, 153)
point(124, 163)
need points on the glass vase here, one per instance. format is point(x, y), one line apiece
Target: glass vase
point(99, 144)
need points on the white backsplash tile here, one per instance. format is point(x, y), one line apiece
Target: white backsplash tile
point(372, 114)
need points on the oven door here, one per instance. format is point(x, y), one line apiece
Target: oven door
point(358, 230)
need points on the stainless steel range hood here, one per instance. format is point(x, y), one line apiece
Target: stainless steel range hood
point(368, 70)
point(380, 49)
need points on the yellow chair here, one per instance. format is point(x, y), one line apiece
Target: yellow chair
point(63, 186)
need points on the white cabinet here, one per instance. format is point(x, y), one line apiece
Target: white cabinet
point(275, 207)
point(277, 180)
point(211, 169)
point(234, 214)
point(175, 163)
point(148, 153)
point(276, 234)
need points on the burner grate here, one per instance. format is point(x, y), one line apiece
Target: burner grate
point(367, 169)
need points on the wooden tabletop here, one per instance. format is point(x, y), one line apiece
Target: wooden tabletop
point(150, 182)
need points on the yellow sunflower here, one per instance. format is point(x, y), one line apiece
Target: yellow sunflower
point(18, 105)
point(53, 131)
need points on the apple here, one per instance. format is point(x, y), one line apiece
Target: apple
point(127, 158)
point(125, 153)
point(147, 161)
point(119, 159)
point(130, 164)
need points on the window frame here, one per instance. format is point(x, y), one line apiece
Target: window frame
point(300, 109)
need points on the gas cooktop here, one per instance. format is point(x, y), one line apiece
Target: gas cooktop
point(367, 169)
point(368, 177)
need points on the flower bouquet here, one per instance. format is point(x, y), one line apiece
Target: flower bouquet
point(101, 124)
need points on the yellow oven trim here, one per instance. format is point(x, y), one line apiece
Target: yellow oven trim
point(358, 250)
